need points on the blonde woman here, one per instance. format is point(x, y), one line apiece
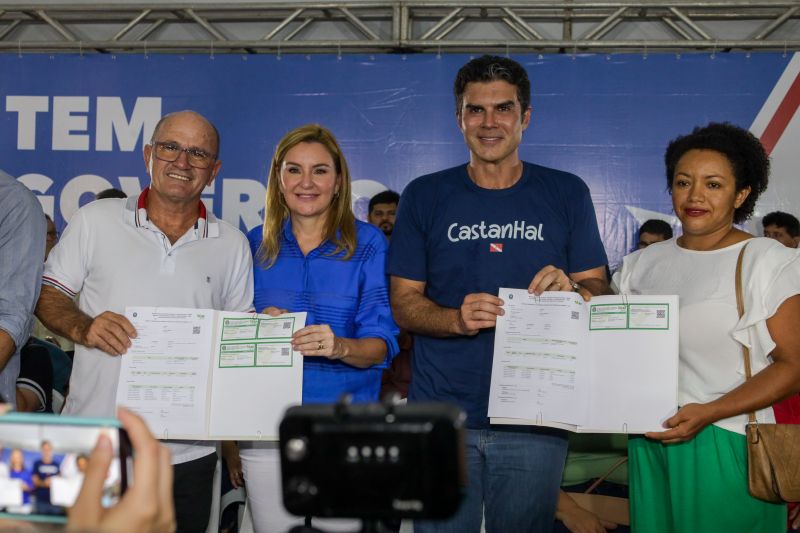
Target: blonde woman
point(312, 255)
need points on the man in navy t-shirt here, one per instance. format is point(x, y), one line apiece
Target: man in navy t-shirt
point(460, 235)
point(43, 469)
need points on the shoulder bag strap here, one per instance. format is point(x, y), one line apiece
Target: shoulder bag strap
point(740, 309)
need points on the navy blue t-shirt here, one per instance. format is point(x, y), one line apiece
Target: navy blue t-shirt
point(44, 471)
point(459, 239)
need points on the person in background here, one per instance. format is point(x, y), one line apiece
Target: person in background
point(39, 330)
point(52, 236)
point(44, 365)
point(396, 378)
point(312, 255)
point(653, 231)
point(35, 380)
point(785, 228)
point(43, 381)
point(383, 211)
point(81, 462)
point(693, 475)
point(782, 227)
point(110, 193)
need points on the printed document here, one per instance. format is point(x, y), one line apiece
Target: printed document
point(208, 375)
point(608, 365)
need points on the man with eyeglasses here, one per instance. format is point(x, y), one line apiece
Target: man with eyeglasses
point(161, 248)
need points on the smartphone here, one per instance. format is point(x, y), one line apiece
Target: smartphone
point(43, 458)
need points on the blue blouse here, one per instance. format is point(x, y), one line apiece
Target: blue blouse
point(350, 296)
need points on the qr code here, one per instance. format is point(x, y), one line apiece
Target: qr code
point(575, 315)
point(287, 325)
point(285, 352)
point(661, 313)
point(195, 330)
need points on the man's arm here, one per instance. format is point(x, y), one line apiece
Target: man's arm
point(110, 332)
point(37, 481)
point(592, 282)
point(417, 313)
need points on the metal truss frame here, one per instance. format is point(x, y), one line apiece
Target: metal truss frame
point(566, 26)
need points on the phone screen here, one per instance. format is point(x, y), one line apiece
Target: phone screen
point(43, 460)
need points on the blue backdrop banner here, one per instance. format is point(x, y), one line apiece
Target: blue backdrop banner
point(73, 125)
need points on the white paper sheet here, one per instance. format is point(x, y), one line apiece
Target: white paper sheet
point(64, 490)
point(256, 375)
point(164, 374)
point(10, 492)
point(540, 369)
point(204, 374)
point(635, 375)
point(609, 366)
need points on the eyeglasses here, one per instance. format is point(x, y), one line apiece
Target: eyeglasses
point(169, 152)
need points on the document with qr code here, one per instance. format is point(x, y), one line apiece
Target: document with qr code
point(208, 375)
point(609, 365)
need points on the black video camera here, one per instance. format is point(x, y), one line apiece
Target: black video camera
point(373, 461)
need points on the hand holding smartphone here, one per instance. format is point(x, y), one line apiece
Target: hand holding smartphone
point(91, 489)
point(44, 460)
point(147, 506)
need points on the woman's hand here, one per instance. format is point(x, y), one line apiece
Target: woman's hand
point(794, 516)
point(273, 311)
point(230, 453)
point(685, 424)
point(317, 340)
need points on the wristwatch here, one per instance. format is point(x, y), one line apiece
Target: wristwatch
point(574, 284)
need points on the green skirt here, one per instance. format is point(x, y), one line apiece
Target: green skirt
point(698, 486)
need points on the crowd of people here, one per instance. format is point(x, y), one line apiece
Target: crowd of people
point(406, 305)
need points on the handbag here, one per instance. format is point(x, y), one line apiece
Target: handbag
point(773, 450)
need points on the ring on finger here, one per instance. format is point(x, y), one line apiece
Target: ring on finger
point(320, 346)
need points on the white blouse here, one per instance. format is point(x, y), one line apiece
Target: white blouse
point(711, 357)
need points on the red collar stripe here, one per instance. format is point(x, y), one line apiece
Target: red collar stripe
point(142, 204)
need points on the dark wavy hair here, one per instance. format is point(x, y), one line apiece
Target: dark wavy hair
point(493, 68)
point(383, 197)
point(782, 220)
point(748, 159)
point(656, 227)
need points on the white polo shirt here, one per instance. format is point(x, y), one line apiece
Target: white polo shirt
point(115, 257)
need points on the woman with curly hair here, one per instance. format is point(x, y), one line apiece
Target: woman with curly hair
point(693, 475)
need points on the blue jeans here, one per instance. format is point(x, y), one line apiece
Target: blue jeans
point(514, 475)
